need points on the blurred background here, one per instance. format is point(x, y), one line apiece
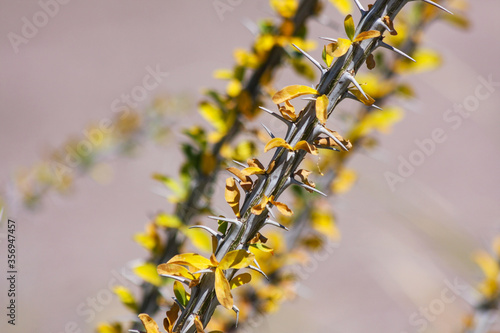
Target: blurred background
point(400, 247)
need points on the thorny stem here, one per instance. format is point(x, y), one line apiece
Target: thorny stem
point(334, 84)
point(190, 208)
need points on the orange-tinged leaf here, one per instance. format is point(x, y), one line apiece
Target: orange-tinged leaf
point(281, 207)
point(169, 321)
point(322, 108)
point(253, 162)
point(343, 46)
point(232, 195)
point(368, 100)
point(175, 270)
point(198, 324)
point(304, 145)
point(236, 259)
point(367, 35)
point(288, 111)
point(240, 280)
point(191, 259)
point(277, 142)
point(291, 92)
point(223, 290)
point(387, 20)
point(259, 208)
point(149, 324)
point(349, 26)
point(246, 183)
point(253, 171)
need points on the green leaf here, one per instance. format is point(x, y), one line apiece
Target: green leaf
point(349, 27)
point(180, 293)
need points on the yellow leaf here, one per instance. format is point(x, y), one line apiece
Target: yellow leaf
point(425, 60)
point(342, 47)
point(236, 259)
point(281, 207)
point(253, 162)
point(285, 8)
point(328, 53)
point(324, 222)
point(322, 108)
point(126, 297)
point(198, 324)
point(488, 265)
point(344, 181)
point(223, 290)
point(240, 280)
point(329, 142)
point(291, 92)
point(107, 328)
point(233, 88)
point(214, 115)
point(199, 238)
point(349, 26)
point(304, 145)
point(175, 270)
point(147, 272)
point(368, 100)
point(253, 171)
point(232, 195)
point(259, 208)
point(277, 142)
point(367, 35)
point(343, 6)
point(223, 74)
point(168, 221)
point(149, 324)
point(191, 259)
point(380, 120)
point(169, 321)
point(245, 181)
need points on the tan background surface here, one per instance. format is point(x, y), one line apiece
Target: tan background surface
point(398, 248)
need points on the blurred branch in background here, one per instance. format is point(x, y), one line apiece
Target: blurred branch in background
point(89, 154)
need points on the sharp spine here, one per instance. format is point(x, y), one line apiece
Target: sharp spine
point(437, 5)
point(209, 230)
point(276, 224)
point(392, 48)
point(268, 131)
point(353, 81)
point(259, 270)
point(296, 182)
point(311, 59)
point(327, 132)
point(234, 221)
